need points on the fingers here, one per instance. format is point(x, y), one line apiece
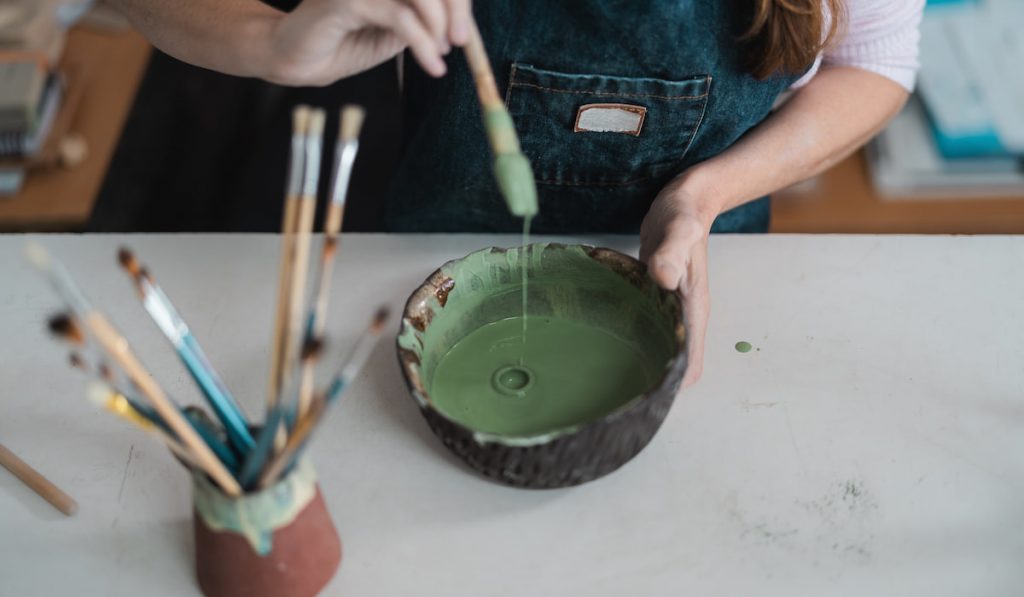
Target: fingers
point(676, 255)
point(434, 14)
point(670, 260)
point(696, 312)
point(460, 13)
point(405, 21)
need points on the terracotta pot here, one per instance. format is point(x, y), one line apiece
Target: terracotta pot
point(289, 523)
point(594, 284)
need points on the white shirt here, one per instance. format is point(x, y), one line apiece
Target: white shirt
point(880, 36)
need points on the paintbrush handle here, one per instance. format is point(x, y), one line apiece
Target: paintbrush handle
point(37, 482)
point(296, 441)
point(480, 67)
point(116, 346)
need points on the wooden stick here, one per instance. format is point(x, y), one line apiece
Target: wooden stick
point(480, 68)
point(117, 404)
point(300, 126)
point(37, 482)
point(512, 170)
point(344, 158)
point(117, 348)
point(306, 425)
point(300, 266)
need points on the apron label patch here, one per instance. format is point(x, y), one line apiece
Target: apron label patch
point(610, 118)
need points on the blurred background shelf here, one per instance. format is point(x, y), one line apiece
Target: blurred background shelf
point(109, 66)
point(843, 201)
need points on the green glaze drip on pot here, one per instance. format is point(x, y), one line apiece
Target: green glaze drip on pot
point(576, 373)
point(257, 515)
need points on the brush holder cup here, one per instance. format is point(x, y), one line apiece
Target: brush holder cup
point(277, 542)
point(566, 396)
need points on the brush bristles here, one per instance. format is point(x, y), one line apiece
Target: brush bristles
point(352, 118)
point(99, 393)
point(64, 327)
point(127, 260)
point(38, 256)
point(317, 117)
point(300, 120)
point(312, 349)
point(379, 319)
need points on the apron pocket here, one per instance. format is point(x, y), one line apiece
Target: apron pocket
point(595, 130)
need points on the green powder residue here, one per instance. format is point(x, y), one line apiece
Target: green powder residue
point(743, 346)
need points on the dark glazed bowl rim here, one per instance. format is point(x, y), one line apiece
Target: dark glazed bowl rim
point(415, 316)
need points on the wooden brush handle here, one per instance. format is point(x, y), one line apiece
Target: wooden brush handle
point(480, 66)
point(38, 483)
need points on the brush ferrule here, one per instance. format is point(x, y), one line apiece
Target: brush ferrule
point(163, 318)
point(296, 165)
point(347, 157)
point(312, 167)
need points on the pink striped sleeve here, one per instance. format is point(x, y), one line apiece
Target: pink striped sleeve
point(881, 36)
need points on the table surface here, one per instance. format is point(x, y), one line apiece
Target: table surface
point(872, 443)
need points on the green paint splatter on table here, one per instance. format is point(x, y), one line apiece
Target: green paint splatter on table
point(743, 346)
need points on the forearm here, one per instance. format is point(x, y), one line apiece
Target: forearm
point(230, 36)
point(837, 112)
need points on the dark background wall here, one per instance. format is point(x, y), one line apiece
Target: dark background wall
point(206, 152)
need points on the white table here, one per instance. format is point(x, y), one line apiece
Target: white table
point(872, 444)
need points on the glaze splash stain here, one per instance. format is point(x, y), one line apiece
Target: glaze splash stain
point(575, 373)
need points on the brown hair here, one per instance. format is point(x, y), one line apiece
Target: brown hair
point(786, 35)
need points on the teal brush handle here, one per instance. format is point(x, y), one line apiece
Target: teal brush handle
point(210, 436)
point(217, 395)
point(258, 456)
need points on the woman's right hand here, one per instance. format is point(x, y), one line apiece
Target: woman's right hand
point(322, 41)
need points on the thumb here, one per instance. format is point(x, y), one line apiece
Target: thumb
point(670, 260)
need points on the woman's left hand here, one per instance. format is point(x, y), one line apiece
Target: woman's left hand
point(674, 245)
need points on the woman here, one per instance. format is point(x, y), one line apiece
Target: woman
point(652, 116)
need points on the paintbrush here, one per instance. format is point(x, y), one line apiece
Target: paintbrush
point(344, 157)
point(118, 349)
point(177, 332)
point(300, 124)
point(116, 403)
point(64, 327)
point(37, 482)
point(346, 374)
point(300, 262)
point(303, 181)
point(511, 168)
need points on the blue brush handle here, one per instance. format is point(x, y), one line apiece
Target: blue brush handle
point(258, 456)
point(220, 399)
point(334, 391)
point(209, 436)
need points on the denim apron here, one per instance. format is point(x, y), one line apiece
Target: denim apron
point(668, 73)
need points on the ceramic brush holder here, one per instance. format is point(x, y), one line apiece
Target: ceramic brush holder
point(276, 542)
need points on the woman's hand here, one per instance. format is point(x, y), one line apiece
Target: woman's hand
point(674, 245)
point(322, 41)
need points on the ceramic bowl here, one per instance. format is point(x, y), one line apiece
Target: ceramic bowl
point(591, 286)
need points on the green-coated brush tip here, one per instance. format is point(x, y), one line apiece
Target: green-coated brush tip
point(515, 179)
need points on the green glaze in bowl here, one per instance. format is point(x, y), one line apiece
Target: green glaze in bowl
point(616, 383)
